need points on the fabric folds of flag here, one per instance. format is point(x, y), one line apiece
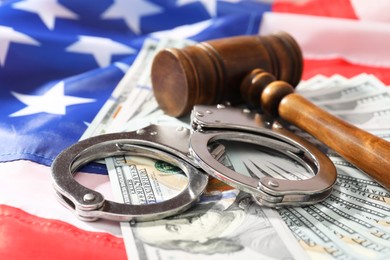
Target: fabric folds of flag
point(60, 61)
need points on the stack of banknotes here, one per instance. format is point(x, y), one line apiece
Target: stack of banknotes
point(353, 223)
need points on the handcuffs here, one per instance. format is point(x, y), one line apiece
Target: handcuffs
point(188, 150)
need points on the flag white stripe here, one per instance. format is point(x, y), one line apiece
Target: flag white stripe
point(27, 185)
point(360, 42)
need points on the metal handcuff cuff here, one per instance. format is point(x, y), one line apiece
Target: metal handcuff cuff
point(188, 150)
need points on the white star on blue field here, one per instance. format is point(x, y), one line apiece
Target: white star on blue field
point(53, 101)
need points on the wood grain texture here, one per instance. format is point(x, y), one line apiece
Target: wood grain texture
point(223, 70)
point(211, 72)
point(364, 150)
point(367, 152)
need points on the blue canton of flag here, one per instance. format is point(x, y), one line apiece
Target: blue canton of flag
point(60, 60)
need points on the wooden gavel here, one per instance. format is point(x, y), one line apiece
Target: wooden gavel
point(227, 69)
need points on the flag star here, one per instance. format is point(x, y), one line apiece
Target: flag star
point(47, 10)
point(132, 16)
point(8, 35)
point(54, 101)
point(209, 5)
point(101, 48)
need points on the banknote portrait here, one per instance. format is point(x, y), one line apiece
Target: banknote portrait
point(211, 229)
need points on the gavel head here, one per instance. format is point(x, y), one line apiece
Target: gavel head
point(211, 72)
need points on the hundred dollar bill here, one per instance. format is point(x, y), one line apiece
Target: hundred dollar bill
point(361, 240)
point(357, 202)
point(369, 120)
point(338, 89)
point(257, 165)
point(225, 223)
point(373, 194)
point(363, 100)
point(144, 181)
point(337, 232)
point(370, 102)
point(350, 179)
point(368, 190)
point(231, 225)
point(345, 210)
point(358, 210)
point(348, 214)
point(315, 85)
point(360, 244)
point(312, 83)
point(319, 243)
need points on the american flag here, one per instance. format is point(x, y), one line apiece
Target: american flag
point(60, 61)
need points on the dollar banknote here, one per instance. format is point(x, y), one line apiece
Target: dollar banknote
point(363, 100)
point(353, 223)
point(357, 210)
point(245, 229)
point(225, 223)
point(338, 88)
point(349, 224)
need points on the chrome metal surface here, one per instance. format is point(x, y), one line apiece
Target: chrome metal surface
point(164, 143)
point(189, 150)
point(227, 123)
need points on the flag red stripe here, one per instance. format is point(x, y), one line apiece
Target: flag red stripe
point(330, 67)
point(25, 236)
point(338, 8)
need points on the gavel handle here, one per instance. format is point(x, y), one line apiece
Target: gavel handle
point(364, 150)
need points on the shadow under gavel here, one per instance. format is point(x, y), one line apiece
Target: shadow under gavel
point(219, 70)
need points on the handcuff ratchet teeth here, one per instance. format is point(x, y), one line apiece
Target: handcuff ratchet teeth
point(189, 150)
